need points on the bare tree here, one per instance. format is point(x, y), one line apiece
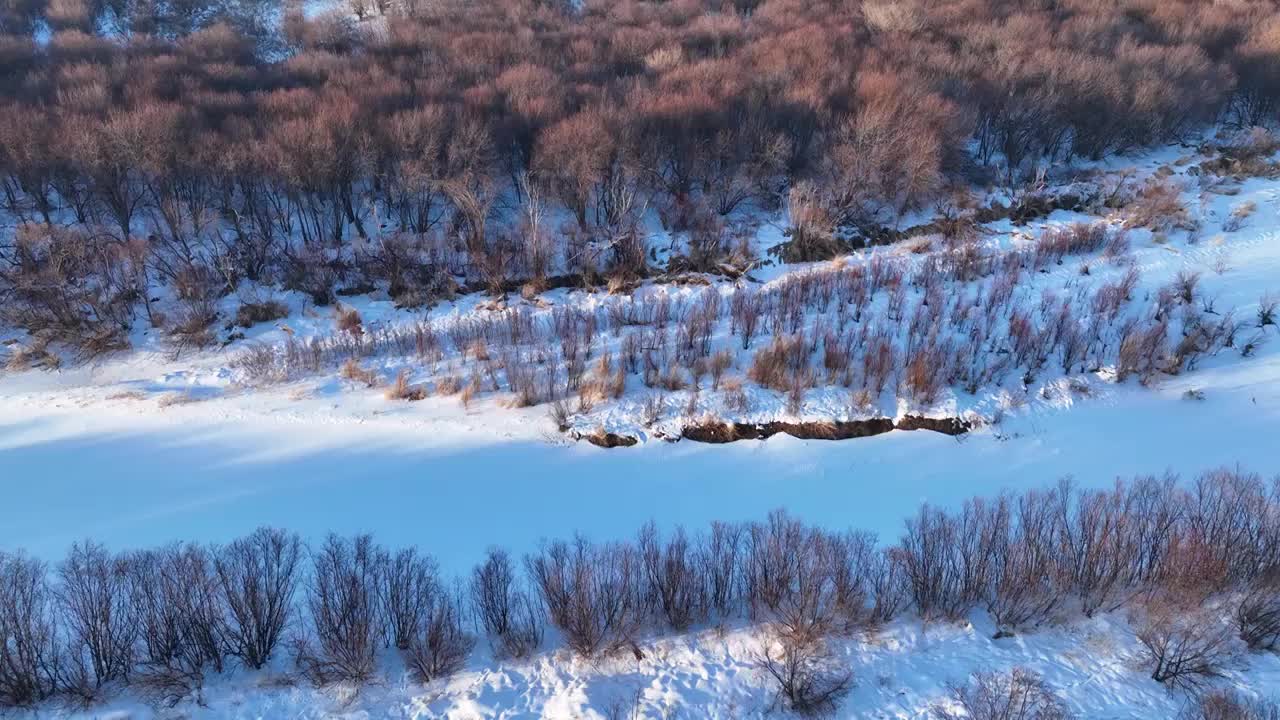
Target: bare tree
point(533, 233)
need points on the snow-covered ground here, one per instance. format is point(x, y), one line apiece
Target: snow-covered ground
point(901, 671)
point(150, 447)
point(130, 473)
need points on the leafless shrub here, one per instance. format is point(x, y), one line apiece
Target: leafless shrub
point(1250, 142)
point(1267, 310)
point(192, 326)
point(342, 597)
point(672, 379)
point(1257, 614)
point(1093, 547)
point(179, 620)
point(257, 576)
point(93, 595)
point(888, 583)
point(1025, 582)
point(673, 584)
point(73, 286)
point(262, 364)
point(893, 16)
point(559, 414)
point(718, 558)
point(439, 645)
point(717, 364)
point(745, 308)
point(33, 355)
point(408, 587)
point(1176, 555)
point(1019, 694)
point(652, 410)
point(469, 392)
point(1227, 523)
point(812, 226)
point(509, 616)
point(808, 682)
point(935, 580)
point(402, 389)
point(591, 593)
point(1185, 285)
point(30, 658)
point(1141, 350)
point(1226, 705)
point(801, 580)
point(771, 554)
point(1184, 649)
point(1075, 239)
point(1117, 248)
point(782, 365)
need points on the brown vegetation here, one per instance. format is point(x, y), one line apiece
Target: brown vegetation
point(205, 145)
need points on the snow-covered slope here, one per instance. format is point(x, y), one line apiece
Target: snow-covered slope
point(152, 446)
point(901, 672)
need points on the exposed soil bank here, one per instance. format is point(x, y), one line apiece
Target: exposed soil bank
point(727, 432)
point(609, 440)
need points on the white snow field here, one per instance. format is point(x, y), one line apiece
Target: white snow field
point(900, 672)
point(154, 445)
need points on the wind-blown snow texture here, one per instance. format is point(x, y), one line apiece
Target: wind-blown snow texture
point(147, 448)
point(900, 672)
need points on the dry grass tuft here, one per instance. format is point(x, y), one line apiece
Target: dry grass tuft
point(29, 357)
point(250, 314)
point(735, 398)
point(1239, 214)
point(1159, 207)
point(449, 385)
point(179, 398)
point(402, 389)
point(348, 320)
point(351, 370)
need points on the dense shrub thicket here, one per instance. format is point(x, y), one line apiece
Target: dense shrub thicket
point(200, 143)
point(1187, 560)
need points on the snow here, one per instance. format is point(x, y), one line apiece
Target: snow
point(900, 671)
point(147, 447)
